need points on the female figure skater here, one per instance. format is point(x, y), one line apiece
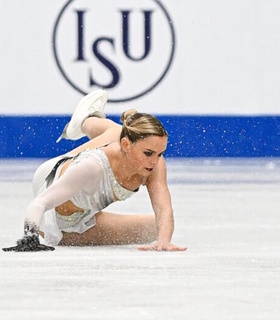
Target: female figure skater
point(72, 190)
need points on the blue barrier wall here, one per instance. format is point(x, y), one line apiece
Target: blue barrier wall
point(189, 136)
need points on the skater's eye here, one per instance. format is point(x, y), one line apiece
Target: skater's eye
point(148, 153)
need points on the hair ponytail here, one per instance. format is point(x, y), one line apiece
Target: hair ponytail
point(140, 125)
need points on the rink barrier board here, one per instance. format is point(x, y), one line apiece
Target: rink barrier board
point(34, 136)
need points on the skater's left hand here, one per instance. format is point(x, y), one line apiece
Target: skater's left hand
point(161, 246)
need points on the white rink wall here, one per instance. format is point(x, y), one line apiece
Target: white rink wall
point(226, 56)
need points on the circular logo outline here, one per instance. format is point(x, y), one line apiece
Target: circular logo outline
point(153, 86)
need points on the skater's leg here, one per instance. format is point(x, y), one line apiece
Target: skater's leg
point(111, 134)
point(115, 229)
point(93, 127)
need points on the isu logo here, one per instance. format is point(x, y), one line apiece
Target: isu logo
point(123, 46)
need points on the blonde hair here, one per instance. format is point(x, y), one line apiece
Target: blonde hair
point(140, 125)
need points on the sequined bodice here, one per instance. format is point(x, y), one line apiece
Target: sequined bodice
point(119, 191)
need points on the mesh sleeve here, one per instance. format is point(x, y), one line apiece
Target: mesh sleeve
point(84, 176)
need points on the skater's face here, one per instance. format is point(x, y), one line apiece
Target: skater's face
point(144, 154)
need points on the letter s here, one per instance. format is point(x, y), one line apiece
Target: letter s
point(108, 64)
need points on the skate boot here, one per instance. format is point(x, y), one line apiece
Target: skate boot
point(91, 105)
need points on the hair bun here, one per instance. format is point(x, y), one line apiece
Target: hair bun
point(128, 113)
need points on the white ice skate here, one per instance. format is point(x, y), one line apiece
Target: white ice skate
point(91, 105)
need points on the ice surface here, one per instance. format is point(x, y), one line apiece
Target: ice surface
point(227, 214)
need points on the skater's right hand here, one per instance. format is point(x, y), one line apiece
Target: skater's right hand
point(28, 244)
point(30, 241)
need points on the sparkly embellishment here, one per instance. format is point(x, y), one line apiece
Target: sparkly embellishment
point(120, 192)
point(73, 219)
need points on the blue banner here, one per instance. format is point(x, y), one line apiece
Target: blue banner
point(189, 136)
